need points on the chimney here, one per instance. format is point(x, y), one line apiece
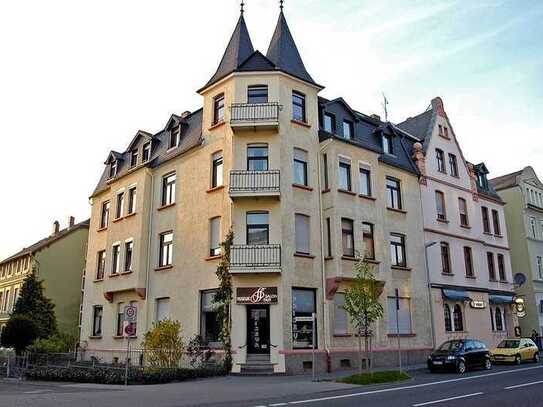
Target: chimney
point(376, 117)
point(56, 227)
point(71, 221)
point(437, 105)
point(185, 114)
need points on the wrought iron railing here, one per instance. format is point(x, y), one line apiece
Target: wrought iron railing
point(254, 113)
point(255, 181)
point(255, 256)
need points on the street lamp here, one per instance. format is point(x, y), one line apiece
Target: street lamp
point(426, 247)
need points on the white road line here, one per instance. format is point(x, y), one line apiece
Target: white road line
point(37, 391)
point(413, 386)
point(449, 399)
point(523, 385)
point(278, 404)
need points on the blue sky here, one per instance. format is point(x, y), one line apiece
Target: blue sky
point(78, 79)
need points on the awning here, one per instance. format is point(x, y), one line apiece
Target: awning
point(455, 295)
point(500, 299)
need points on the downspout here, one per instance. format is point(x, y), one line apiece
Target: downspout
point(149, 256)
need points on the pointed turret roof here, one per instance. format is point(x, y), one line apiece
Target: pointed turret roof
point(238, 50)
point(284, 53)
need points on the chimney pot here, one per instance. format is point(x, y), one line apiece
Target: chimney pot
point(376, 117)
point(56, 227)
point(185, 114)
point(71, 221)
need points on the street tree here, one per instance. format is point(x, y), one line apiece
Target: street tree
point(19, 332)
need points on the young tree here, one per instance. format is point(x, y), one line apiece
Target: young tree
point(19, 332)
point(164, 344)
point(363, 306)
point(33, 303)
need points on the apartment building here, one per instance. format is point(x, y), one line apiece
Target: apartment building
point(523, 192)
point(465, 233)
point(59, 261)
point(302, 199)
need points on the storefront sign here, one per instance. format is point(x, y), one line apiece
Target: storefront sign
point(477, 304)
point(256, 295)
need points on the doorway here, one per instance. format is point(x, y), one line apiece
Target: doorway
point(258, 329)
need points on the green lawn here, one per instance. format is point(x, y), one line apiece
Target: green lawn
point(390, 376)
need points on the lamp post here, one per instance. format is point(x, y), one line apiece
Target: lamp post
point(426, 247)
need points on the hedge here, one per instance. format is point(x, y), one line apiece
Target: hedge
point(103, 375)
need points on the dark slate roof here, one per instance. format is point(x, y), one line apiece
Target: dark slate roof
point(506, 181)
point(190, 137)
point(418, 126)
point(238, 50)
point(257, 62)
point(284, 53)
point(47, 241)
point(367, 134)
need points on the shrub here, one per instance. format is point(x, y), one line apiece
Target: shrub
point(19, 332)
point(199, 354)
point(58, 343)
point(164, 344)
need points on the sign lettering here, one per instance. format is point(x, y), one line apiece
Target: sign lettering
point(256, 295)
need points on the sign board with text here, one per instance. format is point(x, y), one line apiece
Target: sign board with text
point(256, 295)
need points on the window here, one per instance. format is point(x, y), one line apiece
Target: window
point(496, 222)
point(257, 94)
point(533, 227)
point(301, 225)
point(440, 157)
point(491, 267)
point(218, 109)
point(501, 267)
point(120, 319)
point(440, 130)
point(329, 123)
point(453, 165)
point(174, 136)
point(369, 241)
point(101, 264)
point(104, 220)
point(539, 265)
point(499, 319)
point(298, 106)
point(165, 257)
point(445, 132)
point(486, 222)
point(394, 196)
point(341, 318)
point(348, 130)
point(128, 251)
point(397, 250)
point(113, 169)
point(162, 309)
point(387, 144)
point(481, 179)
point(97, 320)
point(258, 228)
point(463, 210)
point(345, 174)
point(303, 305)
point(133, 158)
point(492, 321)
point(132, 200)
point(325, 170)
point(365, 182)
point(440, 206)
point(447, 316)
point(329, 237)
point(217, 170)
point(6, 301)
point(115, 259)
point(399, 316)
point(146, 152)
point(468, 262)
point(347, 237)
point(300, 167)
point(120, 205)
point(257, 157)
point(457, 318)
point(210, 326)
point(215, 236)
point(445, 258)
point(168, 189)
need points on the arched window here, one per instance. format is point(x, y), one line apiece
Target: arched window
point(499, 320)
point(447, 312)
point(457, 318)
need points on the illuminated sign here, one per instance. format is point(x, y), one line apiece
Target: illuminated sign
point(477, 304)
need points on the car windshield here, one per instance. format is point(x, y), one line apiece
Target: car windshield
point(508, 344)
point(450, 346)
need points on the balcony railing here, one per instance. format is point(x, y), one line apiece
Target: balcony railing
point(255, 183)
point(259, 114)
point(255, 258)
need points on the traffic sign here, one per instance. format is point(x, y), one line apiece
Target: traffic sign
point(130, 314)
point(130, 329)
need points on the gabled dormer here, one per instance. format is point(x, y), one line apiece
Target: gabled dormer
point(114, 160)
point(140, 146)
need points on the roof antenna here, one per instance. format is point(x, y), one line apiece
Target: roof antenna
point(281, 5)
point(242, 7)
point(384, 104)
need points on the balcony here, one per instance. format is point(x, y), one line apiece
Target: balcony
point(251, 259)
point(245, 116)
point(247, 184)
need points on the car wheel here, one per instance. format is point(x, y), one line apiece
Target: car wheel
point(517, 360)
point(488, 364)
point(536, 357)
point(461, 367)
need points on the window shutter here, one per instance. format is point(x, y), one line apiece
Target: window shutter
point(215, 232)
point(404, 316)
point(302, 233)
point(341, 320)
point(162, 309)
point(300, 155)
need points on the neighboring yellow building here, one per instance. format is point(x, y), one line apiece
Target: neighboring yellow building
point(259, 158)
point(59, 260)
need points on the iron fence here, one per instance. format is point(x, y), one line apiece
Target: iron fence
point(242, 181)
point(254, 113)
point(255, 257)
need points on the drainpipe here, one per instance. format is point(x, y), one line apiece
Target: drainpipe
point(149, 256)
point(429, 285)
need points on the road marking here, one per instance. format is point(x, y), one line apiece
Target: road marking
point(449, 399)
point(413, 386)
point(523, 385)
point(37, 391)
point(278, 404)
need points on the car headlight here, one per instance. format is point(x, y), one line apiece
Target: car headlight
point(451, 357)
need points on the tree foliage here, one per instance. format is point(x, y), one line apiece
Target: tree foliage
point(33, 303)
point(58, 343)
point(19, 332)
point(163, 344)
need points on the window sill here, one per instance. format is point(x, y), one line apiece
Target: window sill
point(301, 123)
point(161, 208)
point(161, 268)
point(499, 236)
point(401, 268)
point(342, 335)
point(216, 125)
point(411, 335)
point(465, 226)
point(304, 255)
point(117, 337)
point(332, 258)
point(442, 220)
point(117, 219)
point(213, 189)
point(369, 198)
point(98, 280)
point(488, 234)
point(345, 191)
point(349, 258)
point(492, 280)
point(372, 261)
point(95, 337)
point(130, 215)
point(447, 274)
point(210, 258)
point(124, 273)
point(114, 275)
point(304, 187)
point(396, 210)
point(444, 137)
point(102, 229)
point(324, 191)
point(471, 277)
point(504, 281)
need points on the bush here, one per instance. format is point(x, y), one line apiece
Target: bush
point(199, 354)
point(58, 343)
point(164, 344)
point(19, 332)
point(102, 375)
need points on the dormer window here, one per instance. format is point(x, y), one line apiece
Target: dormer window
point(257, 94)
point(387, 144)
point(133, 158)
point(348, 129)
point(482, 181)
point(329, 123)
point(113, 169)
point(146, 152)
point(174, 137)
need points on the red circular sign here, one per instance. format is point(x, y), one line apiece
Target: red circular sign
point(130, 329)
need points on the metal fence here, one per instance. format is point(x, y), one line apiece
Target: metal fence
point(255, 256)
point(254, 113)
point(242, 181)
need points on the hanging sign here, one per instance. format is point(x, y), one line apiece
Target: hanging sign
point(477, 304)
point(256, 295)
